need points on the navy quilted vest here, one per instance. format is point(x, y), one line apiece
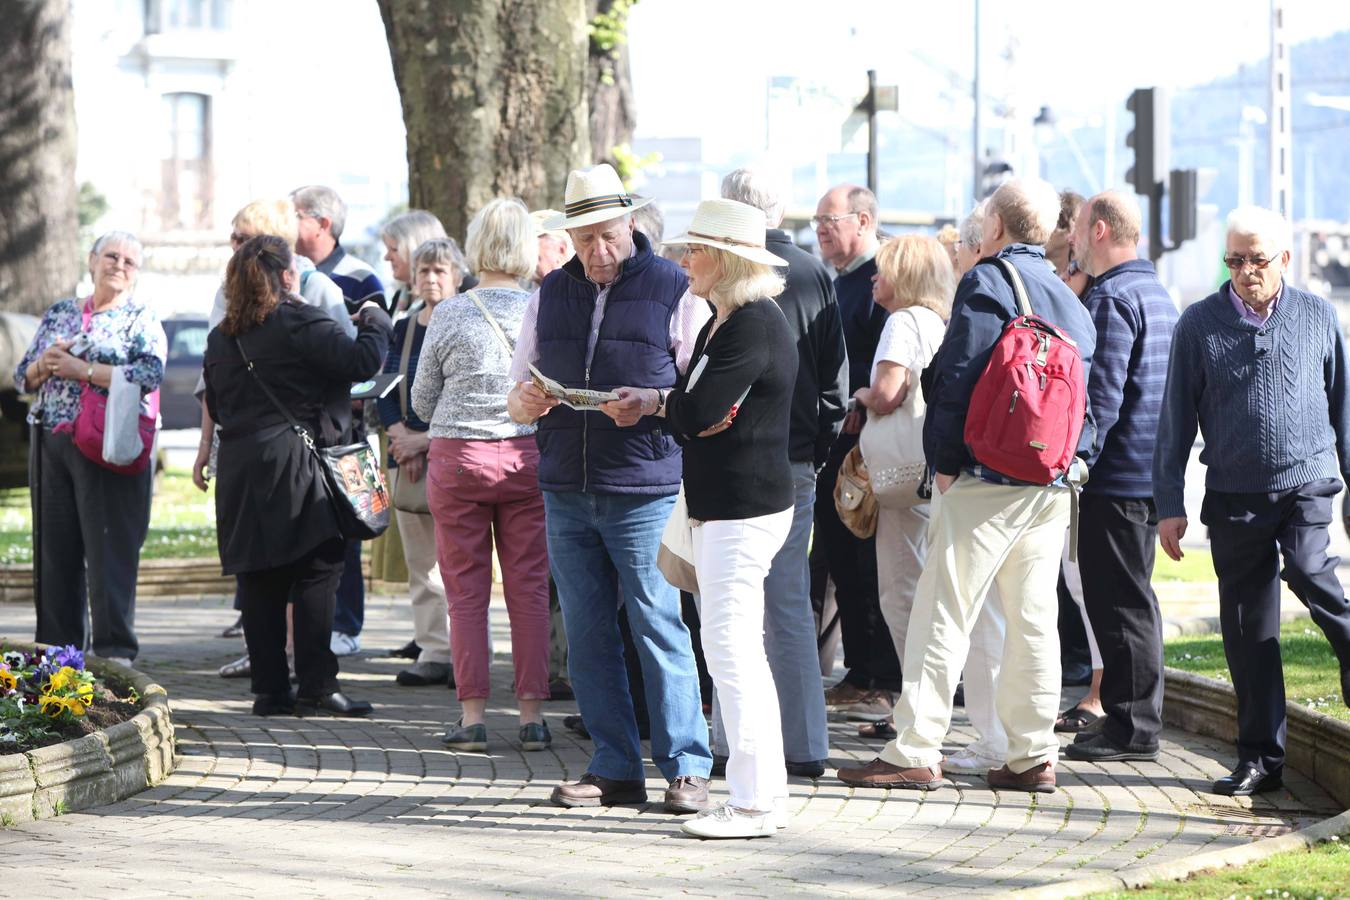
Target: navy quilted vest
point(587, 451)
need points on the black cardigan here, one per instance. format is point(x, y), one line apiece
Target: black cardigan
point(269, 510)
point(742, 472)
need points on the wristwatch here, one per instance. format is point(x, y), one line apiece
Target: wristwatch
point(661, 395)
point(89, 374)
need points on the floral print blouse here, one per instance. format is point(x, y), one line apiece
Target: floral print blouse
point(128, 335)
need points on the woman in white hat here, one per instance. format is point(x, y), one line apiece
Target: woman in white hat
point(731, 414)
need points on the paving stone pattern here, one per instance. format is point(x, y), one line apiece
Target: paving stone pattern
point(337, 808)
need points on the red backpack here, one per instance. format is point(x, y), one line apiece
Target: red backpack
point(1026, 412)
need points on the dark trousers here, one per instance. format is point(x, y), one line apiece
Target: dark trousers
point(1244, 532)
point(93, 523)
point(869, 652)
point(1117, 541)
point(349, 614)
point(308, 583)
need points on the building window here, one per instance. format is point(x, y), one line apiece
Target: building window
point(186, 15)
point(185, 190)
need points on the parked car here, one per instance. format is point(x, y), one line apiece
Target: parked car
point(178, 405)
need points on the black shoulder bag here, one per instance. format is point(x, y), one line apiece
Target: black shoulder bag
point(351, 475)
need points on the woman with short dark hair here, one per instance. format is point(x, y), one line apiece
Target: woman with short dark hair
point(274, 523)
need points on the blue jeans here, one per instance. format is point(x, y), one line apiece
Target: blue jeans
point(790, 636)
point(350, 609)
point(596, 541)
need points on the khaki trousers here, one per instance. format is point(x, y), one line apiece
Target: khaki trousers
point(985, 535)
point(431, 615)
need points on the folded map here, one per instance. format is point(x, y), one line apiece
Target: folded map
point(576, 398)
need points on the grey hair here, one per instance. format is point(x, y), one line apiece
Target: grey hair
point(754, 189)
point(321, 203)
point(116, 237)
point(972, 227)
point(1029, 208)
point(411, 230)
point(1257, 221)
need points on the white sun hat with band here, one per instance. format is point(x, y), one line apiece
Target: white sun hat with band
point(594, 195)
point(731, 226)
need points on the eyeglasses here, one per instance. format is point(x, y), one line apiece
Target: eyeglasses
point(1238, 263)
point(120, 261)
point(830, 221)
point(691, 249)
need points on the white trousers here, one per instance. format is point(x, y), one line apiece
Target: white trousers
point(431, 614)
point(983, 662)
point(731, 558)
point(1073, 580)
point(902, 545)
point(985, 535)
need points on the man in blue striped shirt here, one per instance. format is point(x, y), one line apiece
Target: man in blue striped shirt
point(1134, 316)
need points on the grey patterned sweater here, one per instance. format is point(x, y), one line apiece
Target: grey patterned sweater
point(1270, 400)
point(462, 375)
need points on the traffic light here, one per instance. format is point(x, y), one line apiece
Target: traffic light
point(1185, 189)
point(1149, 140)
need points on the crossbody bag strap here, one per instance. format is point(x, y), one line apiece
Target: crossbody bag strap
point(404, 356)
point(1019, 289)
point(497, 329)
point(290, 419)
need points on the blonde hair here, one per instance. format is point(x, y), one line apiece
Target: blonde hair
point(411, 230)
point(949, 236)
point(501, 238)
point(1029, 208)
point(920, 270)
point(274, 217)
point(742, 281)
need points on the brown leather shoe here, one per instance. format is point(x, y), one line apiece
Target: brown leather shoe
point(844, 694)
point(1037, 780)
point(595, 790)
point(879, 773)
point(687, 794)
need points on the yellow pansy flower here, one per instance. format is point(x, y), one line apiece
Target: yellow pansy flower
point(8, 680)
point(52, 706)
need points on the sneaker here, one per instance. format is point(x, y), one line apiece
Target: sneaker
point(345, 644)
point(466, 737)
point(1036, 780)
point(726, 821)
point(240, 668)
point(424, 673)
point(964, 762)
point(535, 736)
point(687, 794)
point(871, 706)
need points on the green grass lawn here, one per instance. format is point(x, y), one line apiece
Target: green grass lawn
point(1320, 872)
point(1195, 565)
point(182, 522)
point(1311, 672)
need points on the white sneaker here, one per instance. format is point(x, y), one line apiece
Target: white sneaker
point(963, 762)
point(726, 821)
point(345, 644)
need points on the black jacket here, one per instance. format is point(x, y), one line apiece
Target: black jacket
point(269, 509)
point(821, 392)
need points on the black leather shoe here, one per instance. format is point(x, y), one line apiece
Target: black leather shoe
point(409, 650)
point(812, 768)
point(559, 689)
point(274, 704)
point(1246, 780)
point(575, 725)
point(334, 704)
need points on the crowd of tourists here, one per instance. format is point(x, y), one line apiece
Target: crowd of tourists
point(717, 452)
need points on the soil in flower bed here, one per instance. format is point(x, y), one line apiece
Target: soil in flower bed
point(113, 704)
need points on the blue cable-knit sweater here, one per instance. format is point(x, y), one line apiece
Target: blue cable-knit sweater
point(1270, 400)
point(1134, 316)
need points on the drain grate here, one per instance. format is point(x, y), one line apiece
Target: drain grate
point(1258, 830)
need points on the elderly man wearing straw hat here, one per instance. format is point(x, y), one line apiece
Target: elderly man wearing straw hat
point(615, 314)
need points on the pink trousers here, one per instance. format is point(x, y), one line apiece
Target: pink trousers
point(478, 490)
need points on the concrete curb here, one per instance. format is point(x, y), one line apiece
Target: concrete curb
point(94, 770)
point(1317, 745)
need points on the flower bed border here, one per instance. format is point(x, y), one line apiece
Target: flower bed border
point(96, 769)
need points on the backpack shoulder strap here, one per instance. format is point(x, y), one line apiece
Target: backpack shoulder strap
point(1019, 289)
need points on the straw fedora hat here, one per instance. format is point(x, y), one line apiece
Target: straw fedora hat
point(731, 226)
point(594, 195)
point(540, 217)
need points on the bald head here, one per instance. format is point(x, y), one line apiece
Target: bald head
point(846, 223)
point(1106, 232)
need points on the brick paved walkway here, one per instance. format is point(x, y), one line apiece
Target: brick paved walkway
point(333, 808)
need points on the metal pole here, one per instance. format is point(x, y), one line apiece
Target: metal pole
point(1155, 222)
point(35, 497)
point(1281, 142)
point(872, 130)
point(975, 131)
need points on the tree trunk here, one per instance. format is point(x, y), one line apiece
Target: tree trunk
point(613, 116)
point(39, 226)
point(494, 100)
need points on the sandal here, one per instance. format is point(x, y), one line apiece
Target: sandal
point(881, 729)
point(1075, 720)
point(240, 668)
